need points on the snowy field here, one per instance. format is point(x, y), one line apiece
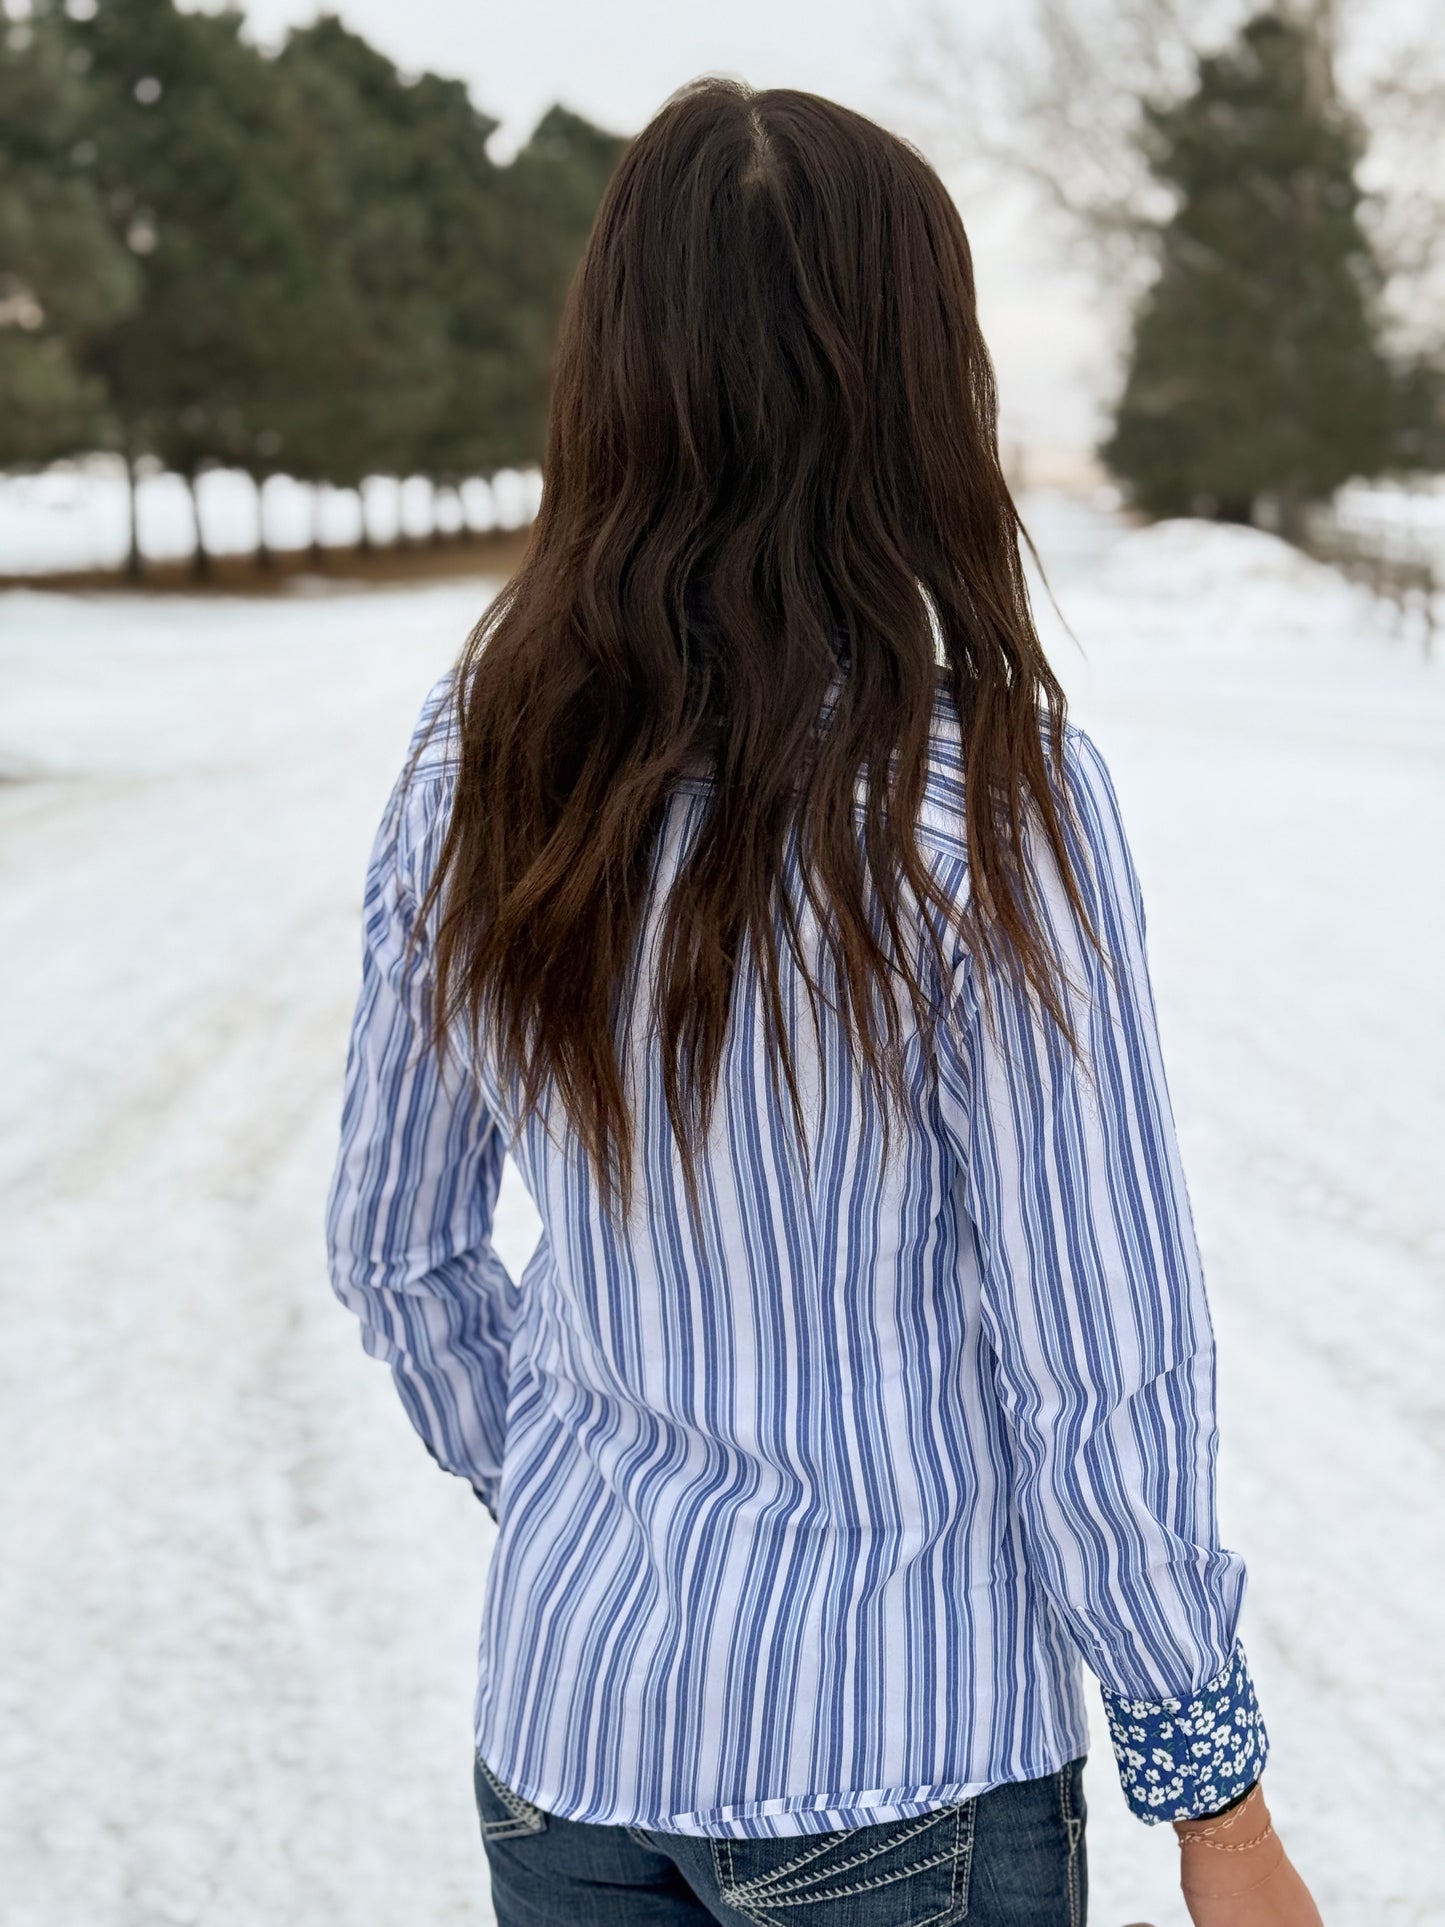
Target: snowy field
point(238, 1604)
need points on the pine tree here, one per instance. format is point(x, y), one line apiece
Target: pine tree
point(553, 188)
point(456, 267)
point(63, 274)
point(1256, 369)
point(199, 172)
point(461, 192)
point(305, 263)
point(504, 243)
point(377, 320)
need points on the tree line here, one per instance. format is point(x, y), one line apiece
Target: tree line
point(307, 262)
point(303, 262)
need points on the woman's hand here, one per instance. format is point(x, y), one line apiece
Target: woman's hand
point(1234, 1871)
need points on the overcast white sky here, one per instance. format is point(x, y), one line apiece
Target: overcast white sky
point(617, 62)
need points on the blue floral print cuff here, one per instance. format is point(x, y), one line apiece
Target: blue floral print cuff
point(1179, 1758)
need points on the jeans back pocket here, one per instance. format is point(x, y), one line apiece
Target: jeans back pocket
point(500, 1811)
point(902, 1873)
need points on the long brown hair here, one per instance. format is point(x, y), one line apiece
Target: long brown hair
point(773, 516)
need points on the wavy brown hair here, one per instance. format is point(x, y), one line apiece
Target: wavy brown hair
point(771, 479)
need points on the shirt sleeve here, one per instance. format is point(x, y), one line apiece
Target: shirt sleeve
point(409, 1219)
point(1095, 1310)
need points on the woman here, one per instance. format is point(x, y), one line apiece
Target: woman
point(747, 884)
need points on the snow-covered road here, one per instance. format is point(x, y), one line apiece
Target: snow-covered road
point(238, 1604)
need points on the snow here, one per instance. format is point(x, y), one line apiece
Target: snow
point(1176, 564)
point(1403, 520)
point(238, 1607)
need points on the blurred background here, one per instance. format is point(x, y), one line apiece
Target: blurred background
point(277, 300)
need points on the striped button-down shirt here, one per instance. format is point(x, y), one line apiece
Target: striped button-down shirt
point(810, 1507)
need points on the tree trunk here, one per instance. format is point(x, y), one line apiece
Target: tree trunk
point(437, 537)
point(1293, 522)
point(363, 540)
point(134, 561)
point(318, 547)
point(200, 555)
point(264, 557)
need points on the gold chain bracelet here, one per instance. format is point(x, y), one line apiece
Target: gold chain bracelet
point(1229, 1846)
point(1204, 1834)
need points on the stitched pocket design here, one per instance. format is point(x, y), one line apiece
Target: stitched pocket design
point(501, 1811)
point(915, 1870)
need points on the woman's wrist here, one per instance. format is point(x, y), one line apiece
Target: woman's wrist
point(1230, 1852)
point(1240, 1825)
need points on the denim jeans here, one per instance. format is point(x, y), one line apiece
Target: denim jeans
point(1013, 1857)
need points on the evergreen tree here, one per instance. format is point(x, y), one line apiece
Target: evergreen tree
point(469, 244)
point(305, 263)
point(554, 187)
point(504, 243)
point(379, 323)
point(457, 266)
point(63, 275)
point(1256, 370)
point(199, 170)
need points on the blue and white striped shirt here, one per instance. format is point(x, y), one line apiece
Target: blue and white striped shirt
point(809, 1511)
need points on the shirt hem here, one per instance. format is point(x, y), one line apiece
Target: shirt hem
point(787, 1815)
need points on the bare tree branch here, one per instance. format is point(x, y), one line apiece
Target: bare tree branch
point(1402, 103)
point(1054, 100)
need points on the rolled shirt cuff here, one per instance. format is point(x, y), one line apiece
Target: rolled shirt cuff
point(1180, 1758)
